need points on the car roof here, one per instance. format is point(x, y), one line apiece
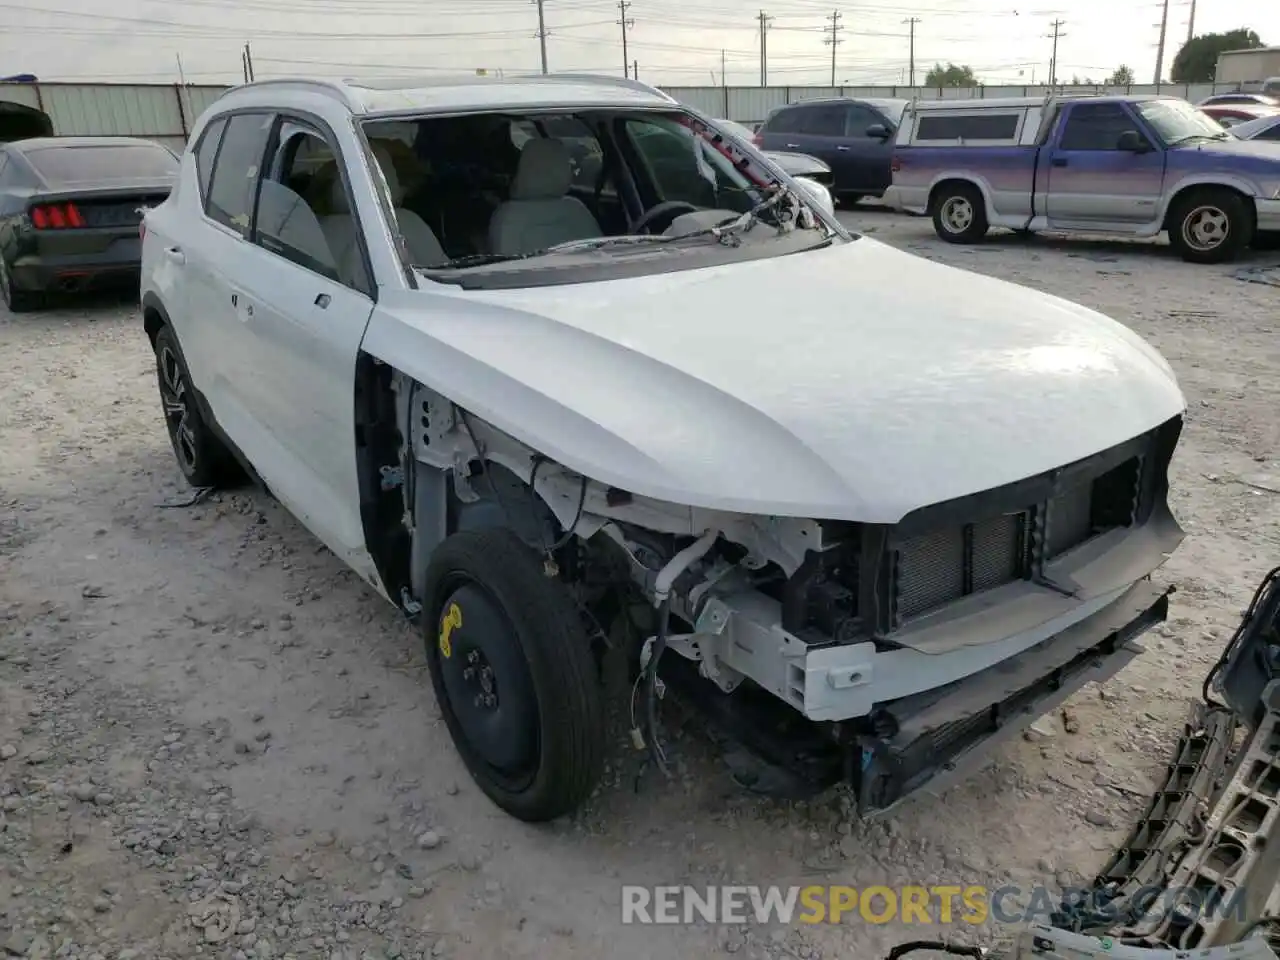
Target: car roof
point(884, 102)
point(33, 144)
point(1252, 127)
point(380, 97)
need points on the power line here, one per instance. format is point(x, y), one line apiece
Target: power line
point(911, 69)
point(1053, 59)
point(833, 38)
point(623, 5)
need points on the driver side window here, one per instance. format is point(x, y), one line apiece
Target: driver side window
point(675, 162)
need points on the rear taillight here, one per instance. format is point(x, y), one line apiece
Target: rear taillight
point(758, 140)
point(142, 229)
point(56, 216)
point(895, 164)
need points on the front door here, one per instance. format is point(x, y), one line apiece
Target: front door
point(305, 315)
point(1094, 183)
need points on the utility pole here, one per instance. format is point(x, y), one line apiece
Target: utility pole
point(1053, 60)
point(1164, 25)
point(765, 20)
point(624, 23)
point(244, 66)
point(635, 69)
point(834, 40)
point(542, 35)
point(248, 62)
point(1191, 22)
point(723, 82)
point(911, 70)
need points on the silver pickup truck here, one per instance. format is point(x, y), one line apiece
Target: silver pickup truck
point(1126, 165)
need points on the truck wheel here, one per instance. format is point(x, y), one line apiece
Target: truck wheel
point(513, 673)
point(1210, 225)
point(203, 459)
point(960, 214)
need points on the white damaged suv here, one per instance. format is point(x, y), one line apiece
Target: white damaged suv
point(577, 379)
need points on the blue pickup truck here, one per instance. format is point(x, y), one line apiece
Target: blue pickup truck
point(1126, 165)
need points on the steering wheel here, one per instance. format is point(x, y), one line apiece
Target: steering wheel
point(670, 209)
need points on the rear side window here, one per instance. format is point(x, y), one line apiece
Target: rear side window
point(1095, 126)
point(64, 166)
point(1272, 134)
point(785, 121)
point(235, 172)
point(983, 126)
point(824, 121)
point(206, 151)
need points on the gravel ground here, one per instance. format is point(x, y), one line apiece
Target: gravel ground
point(215, 741)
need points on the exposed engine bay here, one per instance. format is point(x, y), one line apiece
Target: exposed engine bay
point(887, 656)
point(1199, 874)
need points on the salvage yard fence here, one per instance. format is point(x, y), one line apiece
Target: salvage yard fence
point(167, 112)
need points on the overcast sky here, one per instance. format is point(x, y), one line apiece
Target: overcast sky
point(677, 42)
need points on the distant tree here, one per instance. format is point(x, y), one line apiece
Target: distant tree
point(1122, 76)
point(950, 76)
point(1198, 58)
point(1078, 81)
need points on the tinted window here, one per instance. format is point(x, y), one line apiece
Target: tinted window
point(986, 126)
point(785, 121)
point(62, 166)
point(205, 153)
point(235, 173)
point(1095, 126)
point(858, 118)
point(825, 121)
point(1272, 134)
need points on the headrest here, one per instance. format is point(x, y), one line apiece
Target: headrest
point(544, 171)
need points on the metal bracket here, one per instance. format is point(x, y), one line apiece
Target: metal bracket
point(411, 606)
point(392, 477)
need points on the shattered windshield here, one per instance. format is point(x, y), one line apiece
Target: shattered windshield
point(546, 191)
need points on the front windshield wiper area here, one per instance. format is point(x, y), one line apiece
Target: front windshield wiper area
point(790, 211)
point(475, 260)
point(1200, 136)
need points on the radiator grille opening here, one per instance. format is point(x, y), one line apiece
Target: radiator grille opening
point(936, 568)
point(939, 567)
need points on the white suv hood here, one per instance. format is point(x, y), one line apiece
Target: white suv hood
point(856, 382)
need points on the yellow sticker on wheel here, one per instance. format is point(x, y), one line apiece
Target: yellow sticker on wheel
point(452, 621)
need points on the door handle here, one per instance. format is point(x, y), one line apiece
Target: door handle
point(175, 254)
point(1059, 161)
point(323, 300)
point(792, 146)
point(842, 149)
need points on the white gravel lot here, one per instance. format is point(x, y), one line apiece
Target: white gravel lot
point(201, 706)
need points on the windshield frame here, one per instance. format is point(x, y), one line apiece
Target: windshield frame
point(751, 162)
point(1198, 124)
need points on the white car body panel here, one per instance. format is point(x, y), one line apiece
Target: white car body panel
point(743, 388)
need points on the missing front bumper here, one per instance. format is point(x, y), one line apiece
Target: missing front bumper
point(935, 739)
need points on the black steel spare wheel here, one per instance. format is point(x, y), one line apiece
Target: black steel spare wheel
point(514, 674)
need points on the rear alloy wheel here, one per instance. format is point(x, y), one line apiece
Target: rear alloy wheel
point(960, 214)
point(203, 459)
point(17, 301)
point(514, 674)
point(1211, 225)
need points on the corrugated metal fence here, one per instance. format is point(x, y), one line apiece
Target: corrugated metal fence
point(167, 112)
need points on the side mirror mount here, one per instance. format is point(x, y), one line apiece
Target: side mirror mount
point(878, 131)
point(819, 194)
point(1131, 141)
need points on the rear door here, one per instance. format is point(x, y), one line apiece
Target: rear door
point(1091, 181)
point(822, 135)
point(299, 320)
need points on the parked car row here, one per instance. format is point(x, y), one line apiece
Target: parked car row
point(1137, 166)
